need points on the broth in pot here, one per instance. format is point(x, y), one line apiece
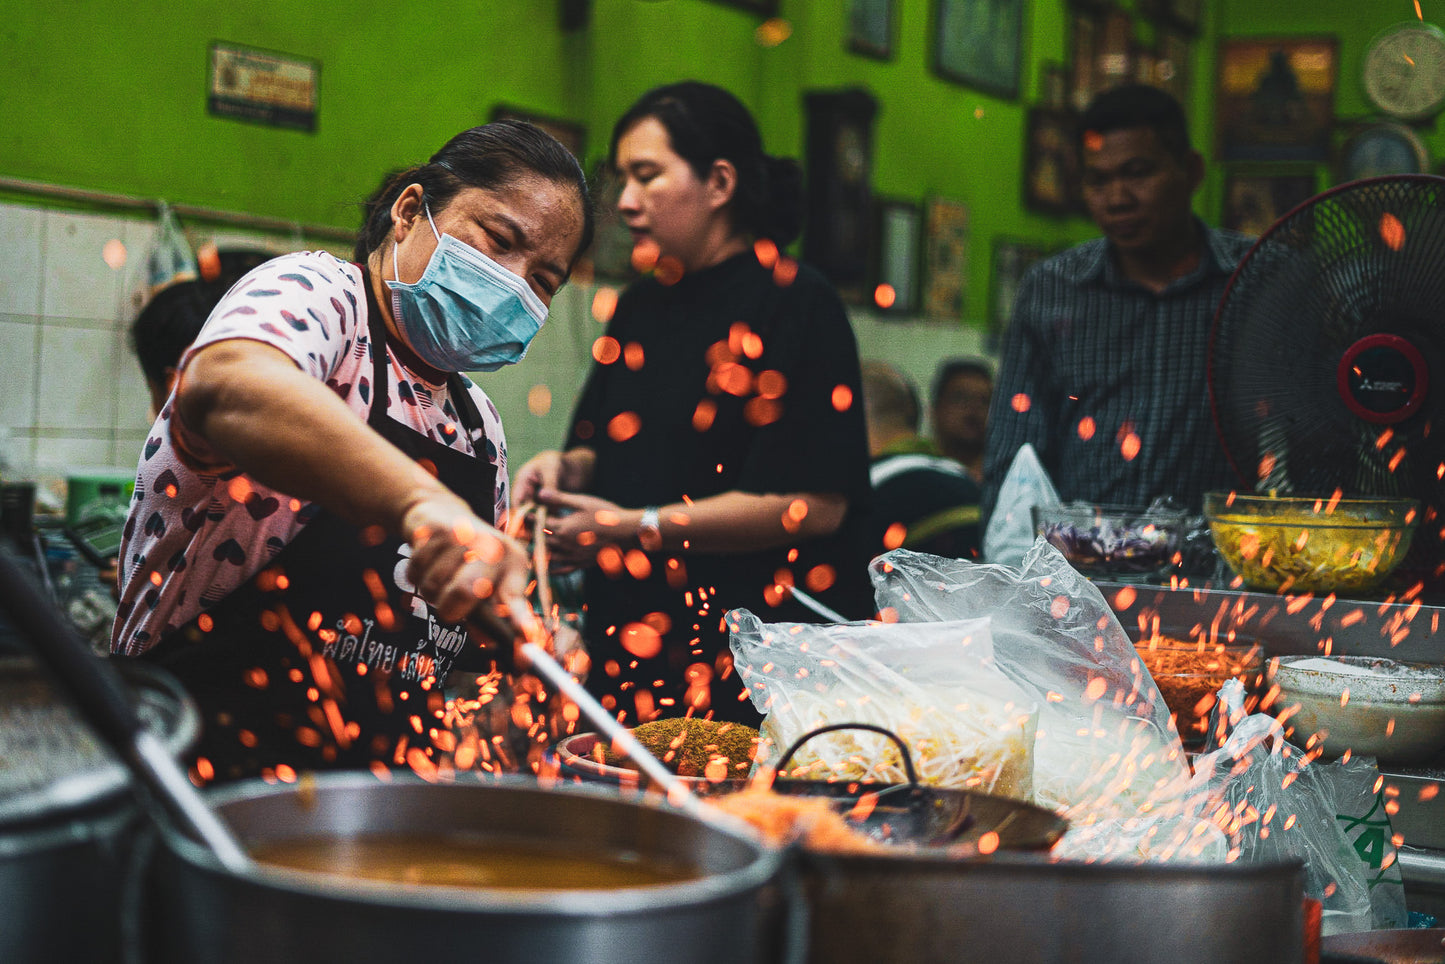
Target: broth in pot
point(434, 861)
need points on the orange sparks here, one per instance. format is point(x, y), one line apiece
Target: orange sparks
point(1021, 403)
point(772, 32)
point(1129, 447)
point(624, 426)
point(606, 350)
point(604, 303)
point(633, 356)
point(884, 296)
point(1093, 141)
point(988, 843)
point(842, 398)
point(644, 255)
point(785, 272)
point(641, 640)
point(1096, 688)
point(1392, 232)
point(1059, 607)
point(1418, 12)
point(539, 400)
point(1086, 427)
point(766, 252)
point(893, 538)
point(702, 418)
point(772, 384)
point(1396, 459)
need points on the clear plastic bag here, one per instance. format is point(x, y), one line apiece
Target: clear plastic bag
point(966, 725)
point(1105, 747)
point(1010, 530)
point(170, 257)
point(1274, 804)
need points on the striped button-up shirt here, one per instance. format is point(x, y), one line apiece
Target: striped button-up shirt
point(1108, 379)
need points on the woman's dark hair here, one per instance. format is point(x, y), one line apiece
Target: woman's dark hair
point(487, 157)
point(705, 124)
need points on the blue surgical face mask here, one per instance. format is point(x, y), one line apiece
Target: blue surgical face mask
point(466, 312)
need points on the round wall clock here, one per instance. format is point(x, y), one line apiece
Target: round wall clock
point(1404, 71)
point(1384, 148)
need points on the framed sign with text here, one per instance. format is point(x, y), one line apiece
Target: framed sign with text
point(263, 87)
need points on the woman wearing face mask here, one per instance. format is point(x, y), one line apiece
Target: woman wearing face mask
point(718, 450)
point(314, 534)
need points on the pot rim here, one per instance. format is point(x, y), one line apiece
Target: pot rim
point(762, 867)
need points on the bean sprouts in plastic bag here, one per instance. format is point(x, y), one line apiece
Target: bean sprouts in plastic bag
point(1106, 754)
point(965, 724)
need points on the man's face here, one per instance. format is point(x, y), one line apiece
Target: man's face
point(961, 413)
point(1136, 190)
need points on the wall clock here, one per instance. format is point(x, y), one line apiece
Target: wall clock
point(1404, 71)
point(1384, 148)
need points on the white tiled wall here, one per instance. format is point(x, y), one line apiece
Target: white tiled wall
point(74, 399)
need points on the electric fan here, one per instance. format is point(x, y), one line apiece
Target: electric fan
point(1327, 357)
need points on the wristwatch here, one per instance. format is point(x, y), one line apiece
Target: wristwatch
point(649, 529)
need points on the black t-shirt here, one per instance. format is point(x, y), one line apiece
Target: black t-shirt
point(724, 381)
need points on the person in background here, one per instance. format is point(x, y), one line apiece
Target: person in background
point(314, 537)
point(1103, 368)
point(962, 388)
point(172, 318)
point(717, 453)
point(921, 501)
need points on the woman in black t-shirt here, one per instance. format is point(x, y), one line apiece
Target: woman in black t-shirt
point(718, 452)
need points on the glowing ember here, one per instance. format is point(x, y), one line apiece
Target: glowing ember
point(604, 303)
point(1392, 232)
point(539, 400)
point(641, 641)
point(606, 350)
point(1086, 428)
point(772, 32)
point(842, 398)
point(884, 296)
point(1021, 403)
point(624, 426)
point(1129, 447)
point(114, 254)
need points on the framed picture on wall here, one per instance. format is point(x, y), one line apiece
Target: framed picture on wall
point(897, 262)
point(572, 135)
point(1084, 38)
point(1011, 258)
point(945, 258)
point(1172, 64)
point(1275, 99)
point(870, 28)
point(1051, 162)
point(977, 43)
point(1253, 202)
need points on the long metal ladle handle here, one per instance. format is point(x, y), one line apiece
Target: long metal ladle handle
point(104, 701)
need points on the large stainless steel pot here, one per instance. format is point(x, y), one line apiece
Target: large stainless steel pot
point(201, 913)
point(1023, 908)
point(68, 818)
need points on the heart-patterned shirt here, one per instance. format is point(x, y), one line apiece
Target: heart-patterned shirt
point(195, 534)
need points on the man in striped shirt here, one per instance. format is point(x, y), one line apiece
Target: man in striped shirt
point(1103, 367)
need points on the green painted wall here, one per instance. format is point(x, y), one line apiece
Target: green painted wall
point(112, 96)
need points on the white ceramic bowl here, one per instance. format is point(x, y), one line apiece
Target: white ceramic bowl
point(1374, 707)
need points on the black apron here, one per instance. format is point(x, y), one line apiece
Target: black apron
point(322, 661)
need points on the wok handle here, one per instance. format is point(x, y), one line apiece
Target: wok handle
point(902, 747)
